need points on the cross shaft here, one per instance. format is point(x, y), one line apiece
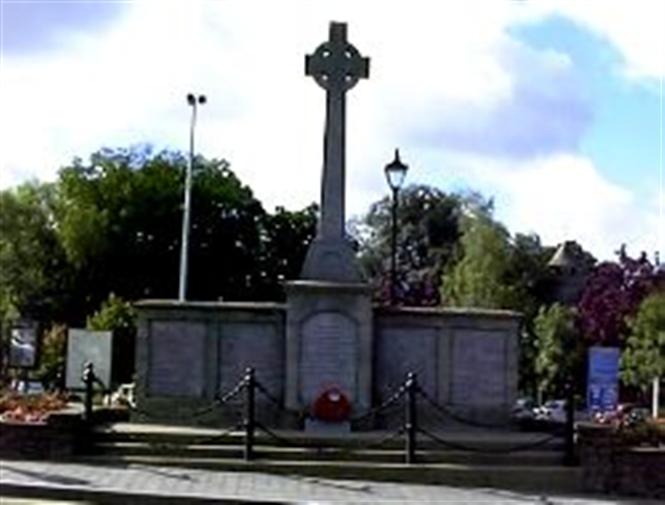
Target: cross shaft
point(336, 66)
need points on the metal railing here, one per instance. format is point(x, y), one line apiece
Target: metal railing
point(409, 392)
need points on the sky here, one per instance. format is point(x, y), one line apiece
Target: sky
point(553, 108)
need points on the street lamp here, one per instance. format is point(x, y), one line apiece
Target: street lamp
point(395, 174)
point(192, 101)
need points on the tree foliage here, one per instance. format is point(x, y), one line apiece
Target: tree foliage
point(52, 355)
point(33, 270)
point(285, 237)
point(560, 351)
point(427, 231)
point(643, 358)
point(119, 317)
point(612, 294)
point(479, 278)
point(113, 225)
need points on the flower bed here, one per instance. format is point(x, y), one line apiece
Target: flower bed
point(19, 408)
point(37, 426)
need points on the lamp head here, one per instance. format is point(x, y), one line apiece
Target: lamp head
point(396, 172)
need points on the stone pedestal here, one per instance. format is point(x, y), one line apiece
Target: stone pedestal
point(331, 260)
point(328, 342)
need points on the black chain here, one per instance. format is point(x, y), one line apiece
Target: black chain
point(342, 450)
point(301, 414)
point(193, 415)
point(397, 395)
point(496, 450)
point(218, 401)
point(230, 395)
point(456, 417)
point(213, 438)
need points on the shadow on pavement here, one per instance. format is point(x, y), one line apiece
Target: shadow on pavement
point(48, 477)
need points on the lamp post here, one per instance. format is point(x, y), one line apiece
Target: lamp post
point(395, 174)
point(192, 101)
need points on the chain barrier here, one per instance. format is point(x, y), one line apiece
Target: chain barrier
point(408, 429)
point(443, 411)
point(300, 414)
point(217, 402)
point(396, 396)
point(208, 439)
point(497, 450)
point(304, 414)
point(456, 417)
point(342, 450)
point(230, 395)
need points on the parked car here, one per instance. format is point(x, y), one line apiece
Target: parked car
point(28, 387)
point(553, 411)
point(524, 409)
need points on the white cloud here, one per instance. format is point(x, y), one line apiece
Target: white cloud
point(264, 114)
point(442, 65)
point(565, 197)
point(635, 28)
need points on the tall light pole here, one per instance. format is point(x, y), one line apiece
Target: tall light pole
point(395, 174)
point(192, 101)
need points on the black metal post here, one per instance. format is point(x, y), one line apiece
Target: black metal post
point(250, 414)
point(88, 378)
point(411, 421)
point(569, 444)
point(393, 248)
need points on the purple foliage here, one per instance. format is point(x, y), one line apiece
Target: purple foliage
point(418, 289)
point(612, 293)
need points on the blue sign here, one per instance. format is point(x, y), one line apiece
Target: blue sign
point(603, 379)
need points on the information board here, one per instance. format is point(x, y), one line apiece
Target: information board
point(603, 379)
point(85, 346)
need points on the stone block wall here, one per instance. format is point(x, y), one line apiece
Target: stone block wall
point(465, 359)
point(187, 353)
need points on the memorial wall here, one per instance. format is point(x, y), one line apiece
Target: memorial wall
point(464, 359)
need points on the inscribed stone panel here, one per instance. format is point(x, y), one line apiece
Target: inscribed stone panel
point(406, 349)
point(177, 365)
point(329, 355)
point(251, 344)
point(479, 368)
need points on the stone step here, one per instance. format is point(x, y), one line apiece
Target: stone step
point(531, 478)
point(278, 453)
point(481, 439)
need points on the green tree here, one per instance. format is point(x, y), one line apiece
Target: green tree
point(531, 278)
point(119, 317)
point(33, 270)
point(285, 238)
point(560, 350)
point(480, 277)
point(643, 358)
point(112, 224)
point(427, 233)
point(52, 355)
point(120, 223)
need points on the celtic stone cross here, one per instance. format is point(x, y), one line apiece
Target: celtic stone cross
point(336, 66)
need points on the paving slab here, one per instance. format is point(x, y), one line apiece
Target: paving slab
point(128, 484)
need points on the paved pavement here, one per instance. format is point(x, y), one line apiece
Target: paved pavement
point(38, 481)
